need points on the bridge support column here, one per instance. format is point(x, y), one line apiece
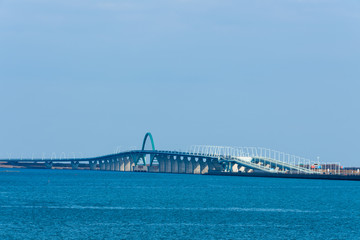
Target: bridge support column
point(117, 164)
point(181, 166)
point(74, 165)
point(196, 167)
point(48, 164)
point(122, 165)
point(126, 165)
point(132, 165)
point(215, 166)
point(162, 167)
point(155, 167)
point(102, 165)
point(204, 167)
point(242, 169)
point(227, 167)
point(174, 165)
point(112, 165)
point(92, 165)
point(107, 165)
point(189, 166)
point(234, 167)
point(212, 165)
point(168, 163)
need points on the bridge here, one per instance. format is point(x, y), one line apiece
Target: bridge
point(200, 159)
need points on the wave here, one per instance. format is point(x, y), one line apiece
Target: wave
point(228, 209)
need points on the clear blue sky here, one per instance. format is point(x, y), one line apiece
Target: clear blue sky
point(89, 76)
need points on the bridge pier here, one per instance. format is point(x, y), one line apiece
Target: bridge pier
point(189, 166)
point(211, 165)
point(74, 165)
point(168, 163)
point(107, 165)
point(117, 164)
point(174, 165)
point(92, 165)
point(181, 165)
point(196, 166)
point(126, 165)
point(112, 164)
point(215, 166)
point(161, 162)
point(48, 164)
point(227, 167)
point(234, 167)
point(132, 165)
point(122, 165)
point(154, 167)
point(204, 167)
point(102, 165)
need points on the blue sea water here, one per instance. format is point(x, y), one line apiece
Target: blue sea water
point(69, 204)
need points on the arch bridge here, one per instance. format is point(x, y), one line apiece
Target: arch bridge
point(199, 159)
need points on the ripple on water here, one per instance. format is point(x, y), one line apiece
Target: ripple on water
point(52, 204)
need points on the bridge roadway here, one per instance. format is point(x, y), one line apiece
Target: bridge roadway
point(174, 162)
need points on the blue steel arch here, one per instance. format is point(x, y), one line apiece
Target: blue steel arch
point(148, 135)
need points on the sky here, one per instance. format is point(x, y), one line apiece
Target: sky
point(88, 78)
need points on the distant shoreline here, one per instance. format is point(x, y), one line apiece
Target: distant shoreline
point(40, 166)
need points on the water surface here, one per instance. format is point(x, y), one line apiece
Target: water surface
point(68, 204)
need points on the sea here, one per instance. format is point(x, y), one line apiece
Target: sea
point(82, 204)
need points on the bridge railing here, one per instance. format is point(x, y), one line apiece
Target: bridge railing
point(288, 160)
